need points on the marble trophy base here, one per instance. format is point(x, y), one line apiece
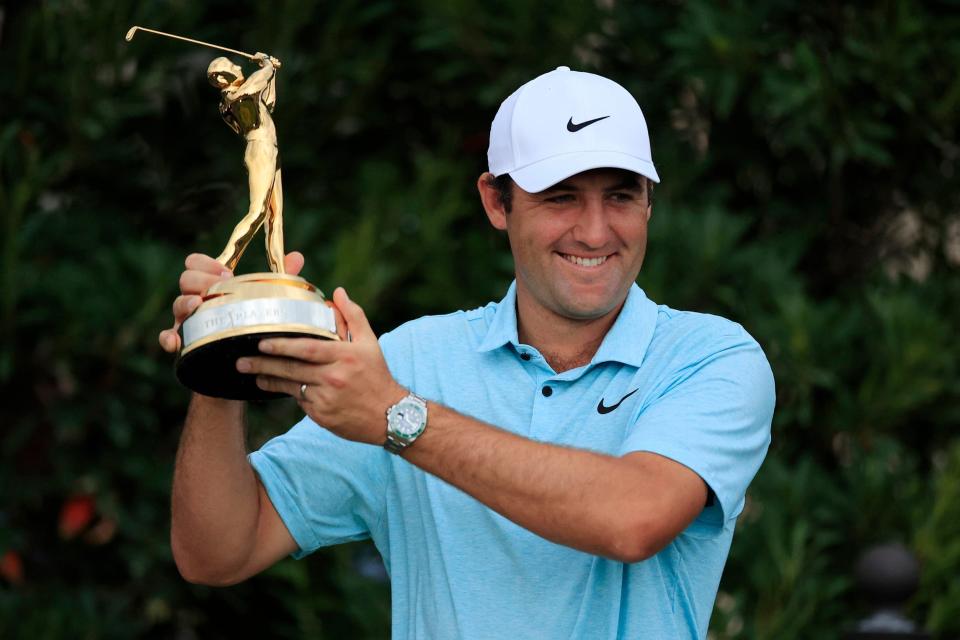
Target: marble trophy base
point(232, 319)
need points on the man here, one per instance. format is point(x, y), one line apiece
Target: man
point(245, 106)
point(577, 456)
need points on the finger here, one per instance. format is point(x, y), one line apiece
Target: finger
point(285, 368)
point(357, 324)
point(183, 306)
point(169, 340)
point(194, 282)
point(202, 262)
point(341, 324)
point(279, 385)
point(307, 349)
point(293, 262)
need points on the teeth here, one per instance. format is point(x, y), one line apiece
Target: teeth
point(585, 262)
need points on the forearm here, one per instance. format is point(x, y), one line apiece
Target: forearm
point(590, 501)
point(215, 503)
point(258, 80)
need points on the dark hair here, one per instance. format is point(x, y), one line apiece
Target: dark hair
point(504, 186)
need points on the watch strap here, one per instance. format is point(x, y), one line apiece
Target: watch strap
point(393, 445)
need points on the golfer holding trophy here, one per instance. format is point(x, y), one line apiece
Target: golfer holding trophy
point(569, 462)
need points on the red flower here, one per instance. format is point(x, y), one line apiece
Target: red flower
point(11, 567)
point(75, 515)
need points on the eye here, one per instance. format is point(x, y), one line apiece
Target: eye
point(622, 196)
point(560, 199)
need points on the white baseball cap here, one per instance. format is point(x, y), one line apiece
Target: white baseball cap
point(564, 122)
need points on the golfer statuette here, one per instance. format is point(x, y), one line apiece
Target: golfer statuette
point(238, 312)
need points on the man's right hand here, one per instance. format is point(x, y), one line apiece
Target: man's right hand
point(201, 272)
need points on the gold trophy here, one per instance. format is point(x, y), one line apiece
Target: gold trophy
point(239, 312)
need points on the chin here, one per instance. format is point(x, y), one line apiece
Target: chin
point(582, 311)
point(589, 307)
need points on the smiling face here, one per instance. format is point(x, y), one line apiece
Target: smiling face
point(578, 245)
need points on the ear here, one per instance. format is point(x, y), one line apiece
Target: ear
point(491, 202)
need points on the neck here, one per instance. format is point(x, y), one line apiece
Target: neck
point(565, 343)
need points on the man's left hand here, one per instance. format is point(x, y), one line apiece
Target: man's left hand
point(348, 385)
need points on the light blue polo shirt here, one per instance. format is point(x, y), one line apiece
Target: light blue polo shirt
point(692, 387)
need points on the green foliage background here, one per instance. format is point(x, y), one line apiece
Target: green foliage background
point(810, 191)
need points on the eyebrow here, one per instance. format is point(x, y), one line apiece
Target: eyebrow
point(627, 184)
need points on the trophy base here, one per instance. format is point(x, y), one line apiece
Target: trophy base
point(235, 315)
point(211, 369)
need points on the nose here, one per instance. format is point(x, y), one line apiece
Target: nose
point(592, 229)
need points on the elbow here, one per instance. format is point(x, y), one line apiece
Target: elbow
point(191, 575)
point(195, 574)
point(629, 552)
point(196, 571)
point(207, 581)
point(632, 541)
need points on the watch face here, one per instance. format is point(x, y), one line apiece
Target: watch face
point(410, 419)
point(407, 419)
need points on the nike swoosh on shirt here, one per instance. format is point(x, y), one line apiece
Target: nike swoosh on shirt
point(573, 128)
point(602, 409)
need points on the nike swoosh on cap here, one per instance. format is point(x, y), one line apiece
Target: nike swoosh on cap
point(573, 128)
point(602, 409)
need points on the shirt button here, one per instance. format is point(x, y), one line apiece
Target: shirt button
point(546, 391)
point(524, 356)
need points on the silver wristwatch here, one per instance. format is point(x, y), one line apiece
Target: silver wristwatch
point(406, 420)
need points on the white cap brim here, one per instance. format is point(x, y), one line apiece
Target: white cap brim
point(540, 175)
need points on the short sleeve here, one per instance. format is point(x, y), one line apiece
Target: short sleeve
point(714, 418)
point(326, 489)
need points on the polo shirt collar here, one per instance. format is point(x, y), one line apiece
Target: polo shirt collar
point(628, 338)
point(503, 328)
point(626, 342)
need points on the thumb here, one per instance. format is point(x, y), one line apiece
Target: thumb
point(357, 324)
point(293, 262)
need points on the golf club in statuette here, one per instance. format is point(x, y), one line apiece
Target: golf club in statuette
point(238, 312)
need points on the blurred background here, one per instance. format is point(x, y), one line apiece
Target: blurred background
point(809, 156)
